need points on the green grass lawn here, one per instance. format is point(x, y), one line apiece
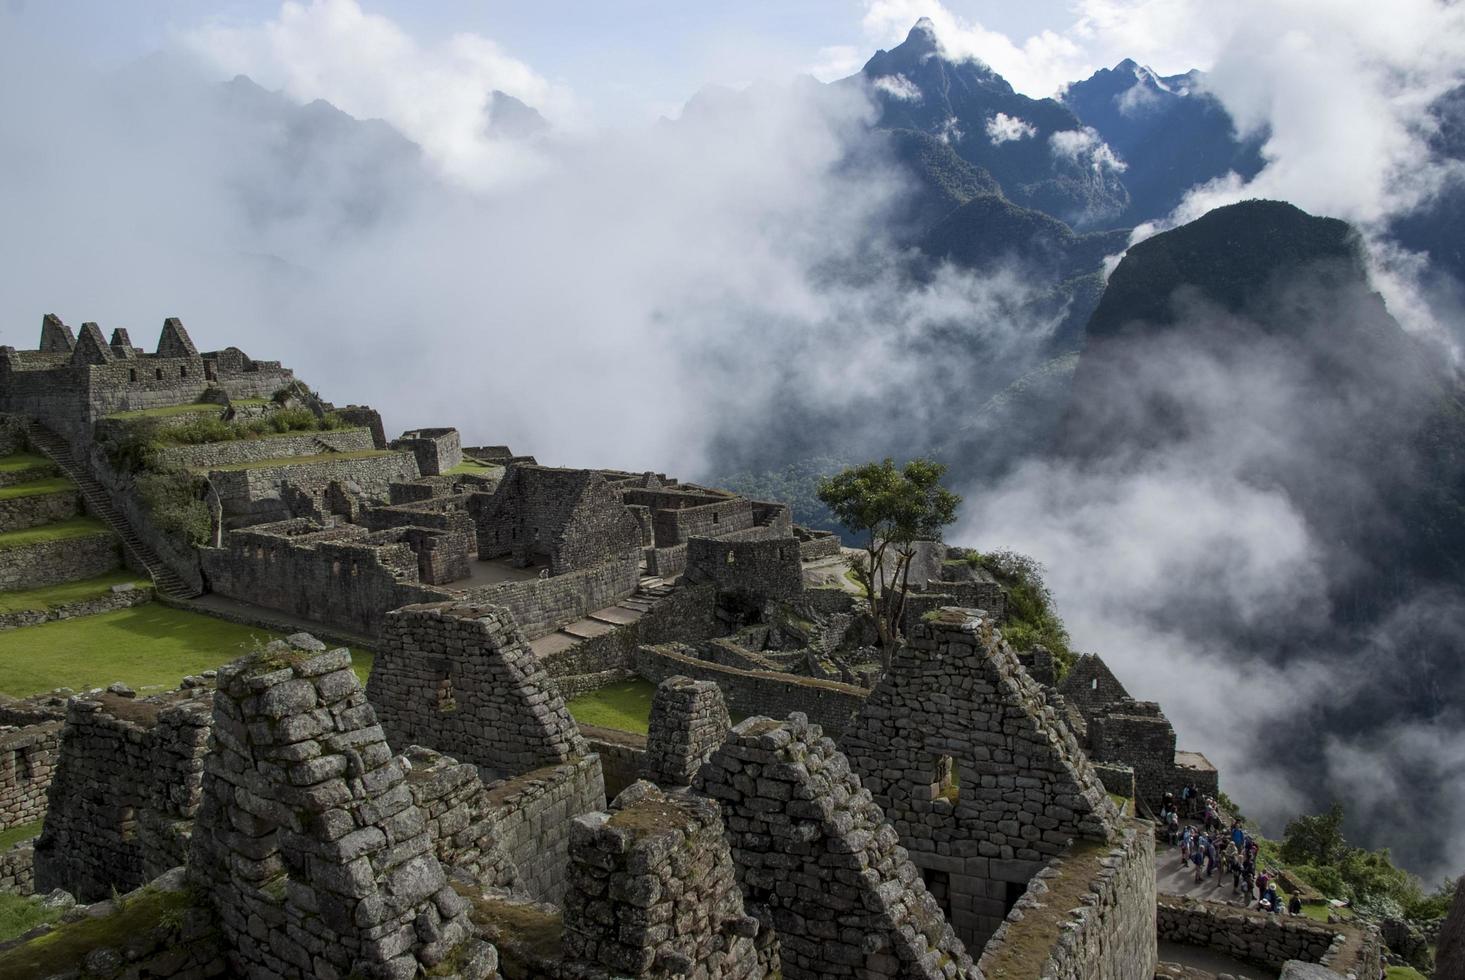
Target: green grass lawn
point(19, 916)
point(72, 527)
point(59, 595)
point(624, 706)
point(9, 838)
point(475, 467)
point(16, 462)
point(1403, 973)
point(55, 484)
point(149, 648)
point(167, 411)
point(63, 949)
point(296, 460)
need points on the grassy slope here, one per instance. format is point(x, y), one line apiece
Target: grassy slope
point(149, 647)
point(63, 949)
point(24, 461)
point(73, 527)
point(60, 595)
point(297, 460)
point(55, 484)
point(14, 835)
point(20, 915)
point(167, 411)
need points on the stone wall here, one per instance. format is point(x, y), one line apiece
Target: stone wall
point(817, 861)
point(1265, 939)
point(27, 762)
point(17, 868)
point(262, 494)
point(1450, 951)
point(679, 525)
point(238, 451)
point(437, 450)
point(35, 509)
point(452, 799)
point(308, 843)
point(1102, 903)
point(687, 614)
point(833, 705)
point(565, 518)
point(34, 566)
point(342, 577)
point(1138, 735)
point(620, 756)
point(769, 568)
point(975, 770)
point(542, 605)
point(460, 679)
point(118, 598)
point(688, 721)
point(126, 784)
point(531, 814)
point(1090, 686)
point(652, 892)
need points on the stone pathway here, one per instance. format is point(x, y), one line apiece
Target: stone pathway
point(649, 591)
point(1172, 879)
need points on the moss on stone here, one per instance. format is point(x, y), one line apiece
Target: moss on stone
point(65, 947)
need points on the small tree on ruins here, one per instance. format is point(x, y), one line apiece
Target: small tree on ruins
point(892, 508)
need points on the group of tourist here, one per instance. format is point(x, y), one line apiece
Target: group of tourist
point(1214, 852)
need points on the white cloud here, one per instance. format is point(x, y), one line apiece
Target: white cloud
point(898, 87)
point(366, 65)
point(1084, 146)
point(1003, 128)
point(835, 62)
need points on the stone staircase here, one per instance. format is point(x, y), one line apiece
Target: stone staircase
point(649, 591)
point(99, 505)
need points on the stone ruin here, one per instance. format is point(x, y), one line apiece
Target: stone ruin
point(688, 722)
point(308, 841)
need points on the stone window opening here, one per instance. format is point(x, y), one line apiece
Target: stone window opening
point(716, 518)
point(446, 701)
point(183, 370)
point(1094, 684)
point(938, 883)
point(946, 781)
point(127, 824)
point(208, 371)
point(731, 559)
point(158, 374)
point(132, 375)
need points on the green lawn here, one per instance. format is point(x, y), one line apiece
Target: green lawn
point(1403, 973)
point(16, 462)
point(55, 484)
point(59, 595)
point(167, 411)
point(9, 838)
point(72, 527)
point(475, 467)
point(149, 647)
point(296, 460)
point(63, 949)
point(19, 916)
point(625, 706)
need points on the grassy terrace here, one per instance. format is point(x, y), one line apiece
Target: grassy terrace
point(60, 595)
point(72, 527)
point(625, 706)
point(473, 466)
point(297, 460)
point(150, 648)
point(169, 411)
point(55, 484)
point(17, 462)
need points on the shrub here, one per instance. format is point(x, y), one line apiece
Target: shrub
point(172, 500)
point(1031, 619)
point(202, 429)
point(132, 448)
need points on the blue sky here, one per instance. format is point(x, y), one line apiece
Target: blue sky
point(629, 59)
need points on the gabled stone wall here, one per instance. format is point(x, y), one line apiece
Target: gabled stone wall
point(460, 679)
point(771, 568)
point(974, 768)
point(817, 861)
point(688, 722)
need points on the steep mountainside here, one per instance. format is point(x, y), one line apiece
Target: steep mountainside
point(1170, 133)
point(1037, 149)
point(1252, 334)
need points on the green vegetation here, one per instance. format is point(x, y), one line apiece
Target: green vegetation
point(55, 484)
point(1313, 846)
point(167, 411)
point(19, 916)
point(14, 835)
point(62, 949)
point(202, 430)
point(72, 527)
point(472, 466)
point(1402, 973)
point(892, 508)
point(624, 706)
point(172, 497)
point(296, 460)
point(796, 484)
point(1031, 619)
point(149, 648)
point(18, 462)
point(59, 595)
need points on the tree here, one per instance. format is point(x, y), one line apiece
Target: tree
point(893, 508)
point(1316, 840)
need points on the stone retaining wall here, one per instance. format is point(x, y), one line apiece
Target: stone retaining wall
point(237, 451)
point(124, 599)
point(35, 566)
point(1264, 939)
point(35, 509)
point(620, 756)
point(17, 868)
point(259, 494)
point(1105, 928)
point(831, 704)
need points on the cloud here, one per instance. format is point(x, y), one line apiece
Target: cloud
point(1003, 128)
point(1086, 147)
point(366, 65)
point(898, 87)
point(835, 62)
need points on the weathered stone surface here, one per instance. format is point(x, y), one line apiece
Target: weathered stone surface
point(688, 722)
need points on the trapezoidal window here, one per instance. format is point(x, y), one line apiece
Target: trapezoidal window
point(183, 370)
point(1094, 684)
point(132, 374)
point(446, 701)
point(946, 780)
point(158, 374)
point(209, 372)
point(716, 517)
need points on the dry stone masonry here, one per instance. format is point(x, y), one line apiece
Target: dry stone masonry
point(688, 722)
point(819, 864)
point(317, 860)
point(653, 893)
point(977, 772)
